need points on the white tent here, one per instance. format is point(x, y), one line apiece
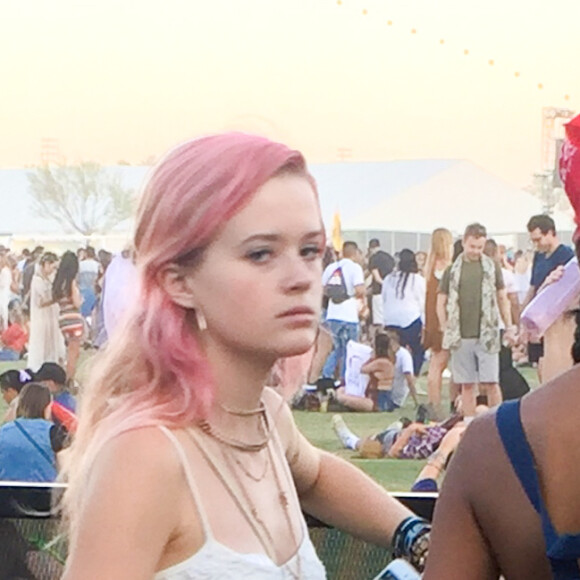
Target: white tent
point(418, 196)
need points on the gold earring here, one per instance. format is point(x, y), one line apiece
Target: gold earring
point(200, 319)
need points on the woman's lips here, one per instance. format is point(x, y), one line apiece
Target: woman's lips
point(298, 311)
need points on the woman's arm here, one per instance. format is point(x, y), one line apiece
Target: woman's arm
point(420, 293)
point(130, 509)
point(335, 491)
point(458, 547)
point(76, 297)
point(38, 295)
point(403, 439)
point(344, 496)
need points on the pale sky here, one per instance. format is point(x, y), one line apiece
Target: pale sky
point(117, 80)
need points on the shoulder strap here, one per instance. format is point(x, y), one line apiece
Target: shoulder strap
point(513, 437)
point(190, 480)
point(34, 443)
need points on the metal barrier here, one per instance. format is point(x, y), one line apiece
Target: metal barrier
point(32, 548)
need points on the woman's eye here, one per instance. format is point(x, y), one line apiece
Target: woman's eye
point(313, 252)
point(259, 255)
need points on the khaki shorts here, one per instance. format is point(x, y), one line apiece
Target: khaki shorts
point(471, 364)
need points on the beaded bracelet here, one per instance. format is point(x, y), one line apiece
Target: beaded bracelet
point(411, 541)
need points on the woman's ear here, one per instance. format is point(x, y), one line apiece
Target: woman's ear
point(177, 283)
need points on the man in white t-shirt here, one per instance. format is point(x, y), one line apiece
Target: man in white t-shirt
point(342, 317)
point(403, 379)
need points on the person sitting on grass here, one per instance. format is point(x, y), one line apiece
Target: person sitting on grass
point(391, 378)
point(11, 383)
point(402, 439)
point(64, 405)
point(29, 445)
point(14, 338)
point(381, 370)
point(53, 376)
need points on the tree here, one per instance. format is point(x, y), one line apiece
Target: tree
point(85, 197)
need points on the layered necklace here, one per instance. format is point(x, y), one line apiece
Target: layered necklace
point(230, 448)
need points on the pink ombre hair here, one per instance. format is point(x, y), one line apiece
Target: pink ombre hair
point(153, 370)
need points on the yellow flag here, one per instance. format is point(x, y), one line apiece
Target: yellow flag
point(336, 233)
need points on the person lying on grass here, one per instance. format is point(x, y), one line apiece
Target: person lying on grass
point(402, 439)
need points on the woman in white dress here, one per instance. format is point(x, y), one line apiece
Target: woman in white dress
point(183, 465)
point(46, 343)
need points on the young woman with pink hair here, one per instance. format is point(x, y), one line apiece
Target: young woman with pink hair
point(183, 465)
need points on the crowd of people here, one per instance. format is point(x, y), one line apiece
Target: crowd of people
point(461, 312)
point(231, 295)
point(53, 308)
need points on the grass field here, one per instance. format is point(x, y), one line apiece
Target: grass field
point(394, 474)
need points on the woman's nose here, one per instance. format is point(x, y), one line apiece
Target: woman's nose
point(299, 275)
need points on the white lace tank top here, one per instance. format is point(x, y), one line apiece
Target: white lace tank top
point(215, 561)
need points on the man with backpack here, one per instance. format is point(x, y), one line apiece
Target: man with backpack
point(343, 283)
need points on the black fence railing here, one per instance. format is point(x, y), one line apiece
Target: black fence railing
point(33, 548)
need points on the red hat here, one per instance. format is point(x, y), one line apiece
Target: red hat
point(570, 168)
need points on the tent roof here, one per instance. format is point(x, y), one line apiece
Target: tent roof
point(418, 196)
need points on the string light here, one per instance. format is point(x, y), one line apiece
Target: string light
point(466, 52)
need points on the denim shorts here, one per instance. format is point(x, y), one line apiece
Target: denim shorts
point(385, 401)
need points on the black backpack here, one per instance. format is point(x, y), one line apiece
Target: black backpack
point(335, 288)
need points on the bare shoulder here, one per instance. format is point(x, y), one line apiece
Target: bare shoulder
point(144, 454)
point(561, 390)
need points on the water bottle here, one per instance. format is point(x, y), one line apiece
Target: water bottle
point(551, 302)
point(398, 569)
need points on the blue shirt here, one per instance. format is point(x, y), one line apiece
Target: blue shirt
point(67, 401)
point(27, 457)
point(544, 264)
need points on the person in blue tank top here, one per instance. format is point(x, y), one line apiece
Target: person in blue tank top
point(29, 444)
point(509, 505)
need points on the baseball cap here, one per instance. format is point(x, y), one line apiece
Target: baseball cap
point(50, 371)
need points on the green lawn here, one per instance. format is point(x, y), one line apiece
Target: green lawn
point(395, 475)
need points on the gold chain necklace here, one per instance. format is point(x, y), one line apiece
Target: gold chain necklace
point(267, 429)
point(282, 497)
point(247, 472)
point(249, 511)
point(243, 412)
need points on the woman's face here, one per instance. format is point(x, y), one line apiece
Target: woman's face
point(48, 268)
point(259, 283)
point(9, 395)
